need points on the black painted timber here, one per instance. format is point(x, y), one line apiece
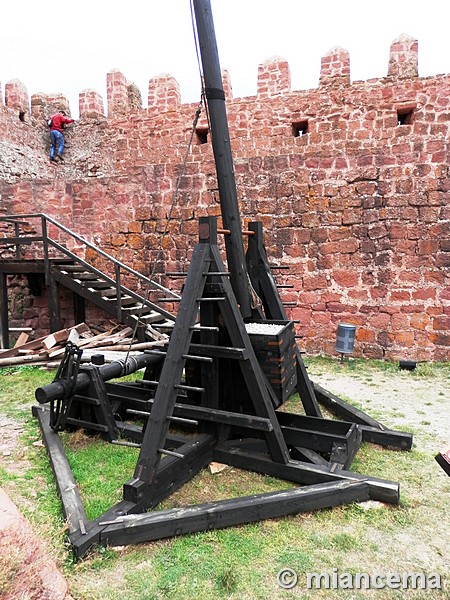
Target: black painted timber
point(4, 318)
point(65, 481)
point(82, 541)
point(171, 374)
point(227, 513)
point(220, 136)
point(401, 440)
point(55, 390)
point(172, 473)
point(305, 473)
point(251, 370)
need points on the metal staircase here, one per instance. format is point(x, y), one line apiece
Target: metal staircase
point(26, 247)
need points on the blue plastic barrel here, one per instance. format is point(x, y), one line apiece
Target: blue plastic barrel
point(345, 338)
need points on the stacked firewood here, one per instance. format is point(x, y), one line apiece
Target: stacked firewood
point(48, 351)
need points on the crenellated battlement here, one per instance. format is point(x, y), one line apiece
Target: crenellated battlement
point(351, 181)
point(273, 79)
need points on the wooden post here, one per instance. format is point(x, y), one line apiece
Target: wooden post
point(220, 136)
point(79, 308)
point(4, 331)
point(54, 305)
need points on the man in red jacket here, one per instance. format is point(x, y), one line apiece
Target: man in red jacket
point(58, 122)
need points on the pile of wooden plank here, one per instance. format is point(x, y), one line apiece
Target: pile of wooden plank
point(48, 350)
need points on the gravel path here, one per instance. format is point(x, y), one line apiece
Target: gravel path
point(402, 401)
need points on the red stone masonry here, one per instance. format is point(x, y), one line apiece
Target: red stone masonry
point(351, 181)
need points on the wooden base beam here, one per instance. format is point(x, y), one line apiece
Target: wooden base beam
point(217, 515)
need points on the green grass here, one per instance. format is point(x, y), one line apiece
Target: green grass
point(239, 562)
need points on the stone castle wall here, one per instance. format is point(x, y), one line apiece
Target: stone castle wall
point(351, 181)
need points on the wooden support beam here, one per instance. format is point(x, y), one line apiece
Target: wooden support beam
point(401, 440)
point(54, 304)
point(172, 473)
point(266, 287)
point(65, 481)
point(300, 472)
point(254, 378)
point(306, 390)
point(218, 515)
point(4, 319)
point(204, 413)
point(172, 370)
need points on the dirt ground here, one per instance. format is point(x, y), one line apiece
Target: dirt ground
point(400, 401)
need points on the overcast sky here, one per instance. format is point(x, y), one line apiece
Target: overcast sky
point(67, 47)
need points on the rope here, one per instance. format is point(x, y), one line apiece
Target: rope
point(169, 218)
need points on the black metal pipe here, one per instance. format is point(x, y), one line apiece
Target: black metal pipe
point(117, 368)
point(220, 137)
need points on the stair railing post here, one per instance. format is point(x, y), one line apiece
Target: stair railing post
point(45, 244)
point(54, 306)
point(17, 234)
point(118, 295)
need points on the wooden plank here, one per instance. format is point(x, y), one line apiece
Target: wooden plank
point(132, 347)
point(65, 481)
point(218, 351)
point(306, 389)
point(62, 335)
point(32, 345)
point(22, 339)
point(213, 415)
point(217, 515)
point(96, 341)
point(20, 360)
point(22, 267)
point(314, 440)
point(54, 304)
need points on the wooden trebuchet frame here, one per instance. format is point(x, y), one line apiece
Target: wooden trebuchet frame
point(209, 383)
point(230, 363)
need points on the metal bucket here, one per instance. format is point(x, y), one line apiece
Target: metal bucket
point(345, 338)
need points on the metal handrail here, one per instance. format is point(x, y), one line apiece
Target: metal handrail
point(47, 242)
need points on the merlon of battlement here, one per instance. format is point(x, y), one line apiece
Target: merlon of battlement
point(335, 67)
point(404, 57)
point(274, 79)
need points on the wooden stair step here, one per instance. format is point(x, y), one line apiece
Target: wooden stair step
point(124, 300)
point(99, 285)
point(108, 294)
point(149, 319)
point(152, 317)
point(71, 268)
point(86, 275)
